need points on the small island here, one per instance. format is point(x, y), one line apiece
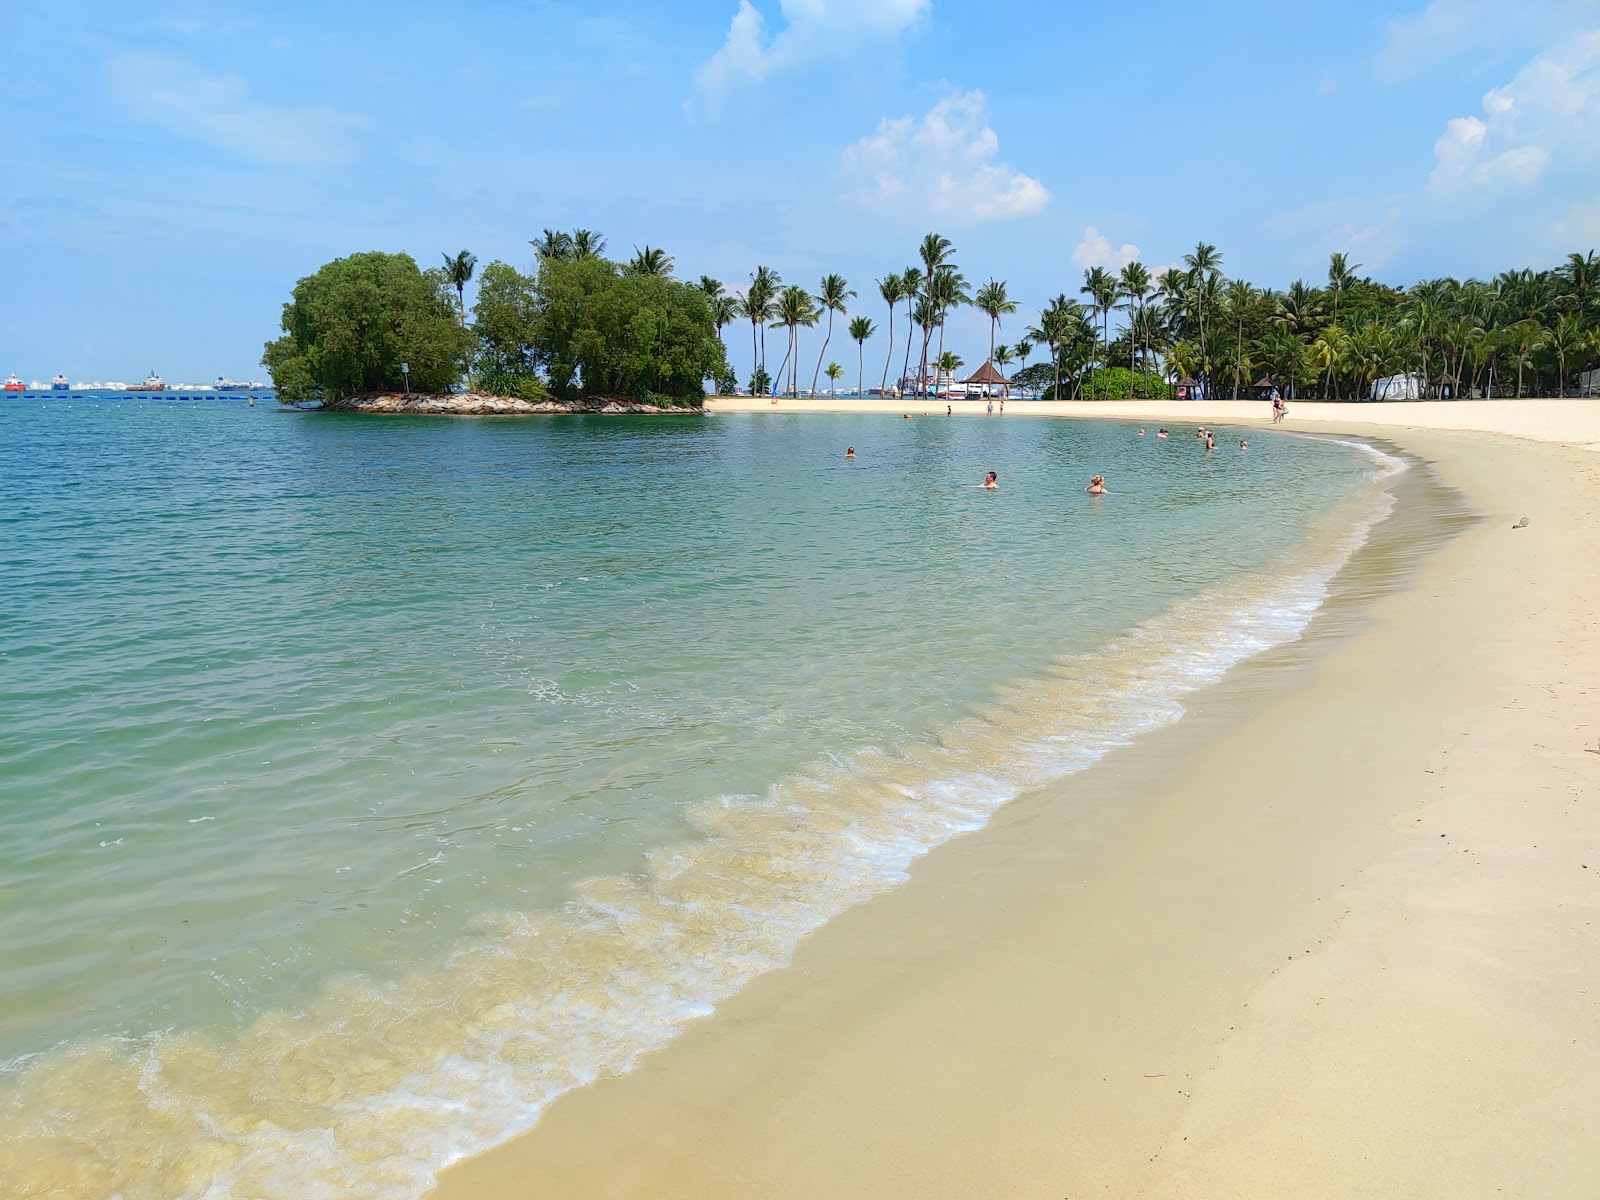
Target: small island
point(374, 333)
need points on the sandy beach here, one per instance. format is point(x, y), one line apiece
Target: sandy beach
point(1334, 934)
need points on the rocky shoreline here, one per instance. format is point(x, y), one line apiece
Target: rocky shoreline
point(476, 404)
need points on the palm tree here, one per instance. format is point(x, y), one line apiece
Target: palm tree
point(911, 283)
point(949, 291)
point(1002, 356)
point(459, 271)
point(945, 367)
point(1100, 285)
point(1204, 264)
point(1568, 340)
point(1052, 330)
point(797, 308)
point(724, 311)
point(711, 287)
point(759, 299)
point(861, 328)
point(1341, 277)
point(1524, 338)
point(1581, 274)
point(1238, 295)
point(833, 373)
point(1136, 286)
point(993, 301)
point(651, 261)
point(893, 290)
point(935, 252)
point(586, 243)
point(831, 294)
point(552, 246)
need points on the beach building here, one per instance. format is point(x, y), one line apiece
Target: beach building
point(986, 381)
point(1589, 383)
point(1187, 388)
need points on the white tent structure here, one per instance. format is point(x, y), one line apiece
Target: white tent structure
point(1400, 387)
point(1589, 383)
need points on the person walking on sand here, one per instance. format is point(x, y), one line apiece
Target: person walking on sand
point(1097, 486)
point(991, 481)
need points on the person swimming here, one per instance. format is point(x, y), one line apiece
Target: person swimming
point(1141, 433)
point(1097, 486)
point(1243, 445)
point(1161, 434)
point(850, 452)
point(991, 480)
point(1211, 442)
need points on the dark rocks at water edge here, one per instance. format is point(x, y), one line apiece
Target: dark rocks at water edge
point(475, 404)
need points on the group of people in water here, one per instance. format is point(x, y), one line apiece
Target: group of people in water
point(1097, 483)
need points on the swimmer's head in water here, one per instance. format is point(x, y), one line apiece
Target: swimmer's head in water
point(991, 477)
point(1097, 481)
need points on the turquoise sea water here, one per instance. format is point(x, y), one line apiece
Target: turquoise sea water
point(370, 781)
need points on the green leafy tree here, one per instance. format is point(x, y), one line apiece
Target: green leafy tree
point(1136, 285)
point(553, 243)
point(935, 253)
point(893, 290)
point(350, 326)
point(759, 303)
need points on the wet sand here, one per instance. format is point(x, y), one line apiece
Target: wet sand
point(1336, 933)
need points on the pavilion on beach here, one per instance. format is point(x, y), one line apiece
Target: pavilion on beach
point(1263, 388)
point(1443, 387)
point(1188, 388)
point(986, 379)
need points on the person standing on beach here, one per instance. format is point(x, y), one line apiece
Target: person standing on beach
point(991, 408)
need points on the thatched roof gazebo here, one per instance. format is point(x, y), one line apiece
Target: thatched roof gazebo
point(1444, 381)
point(1264, 387)
point(989, 379)
point(1188, 388)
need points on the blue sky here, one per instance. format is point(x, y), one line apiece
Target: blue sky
point(173, 168)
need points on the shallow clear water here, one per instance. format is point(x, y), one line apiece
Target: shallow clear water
point(367, 782)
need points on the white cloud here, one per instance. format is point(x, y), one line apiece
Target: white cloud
point(813, 30)
point(1549, 111)
point(219, 110)
point(1096, 251)
point(1446, 30)
point(941, 167)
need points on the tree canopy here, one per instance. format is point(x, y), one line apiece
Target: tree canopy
point(350, 326)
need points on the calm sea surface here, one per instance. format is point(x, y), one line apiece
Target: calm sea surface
point(369, 781)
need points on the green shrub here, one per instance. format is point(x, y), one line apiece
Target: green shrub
point(1119, 383)
point(518, 385)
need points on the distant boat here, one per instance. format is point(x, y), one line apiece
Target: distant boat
point(59, 384)
point(13, 384)
point(152, 383)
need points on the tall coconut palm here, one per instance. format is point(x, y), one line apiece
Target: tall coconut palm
point(553, 245)
point(832, 293)
point(759, 300)
point(1100, 285)
point(1203, 264)
point(796, 309)
point(458, 271)
point(586, 243)
point(1581, 274)
point(992, 301)
point(893, 290)
point(861, 328)
point(949, 291)
point(651, 261)
point(1052, 330)
point(1002, 356)
point(724, 311)
point(711, 287)
point(1341, 277)
point(935, 253)
point(1238, 297)
point(1524, 337)
point(1568, 340)
point(911, 285)
point(1136, 286)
